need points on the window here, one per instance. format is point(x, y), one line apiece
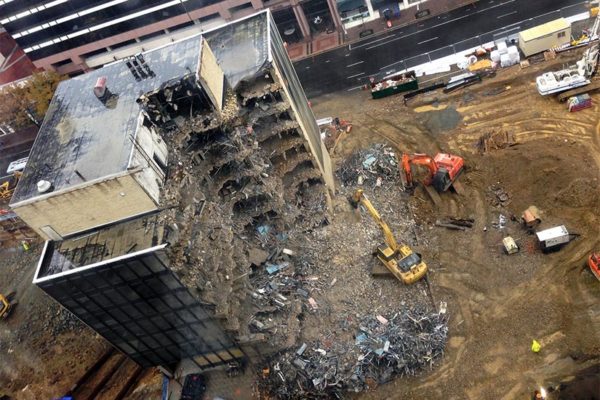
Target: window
point(561, 34)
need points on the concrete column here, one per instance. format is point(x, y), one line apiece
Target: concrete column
point(370, 7)
point(80, 62)
point(335, 15)
point(302, 21)
point(257, 4)
point(225, 13)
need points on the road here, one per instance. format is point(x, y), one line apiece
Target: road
point(349, 67)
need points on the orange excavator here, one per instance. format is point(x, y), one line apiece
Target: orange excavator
point(443, 169)
point(594, 264)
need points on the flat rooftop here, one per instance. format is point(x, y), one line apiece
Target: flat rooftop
point(241, 47)
point(81, 139)
point(104, 244)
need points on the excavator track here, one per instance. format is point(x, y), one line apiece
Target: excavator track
point(564, 96)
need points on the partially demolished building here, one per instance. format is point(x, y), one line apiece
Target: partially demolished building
point(167, 190)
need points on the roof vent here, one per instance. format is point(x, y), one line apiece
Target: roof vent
point(44, 186)
point(100, 87)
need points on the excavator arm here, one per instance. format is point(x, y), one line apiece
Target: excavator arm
point(360, 198)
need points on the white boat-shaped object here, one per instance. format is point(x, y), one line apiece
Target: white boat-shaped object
point(555, 82)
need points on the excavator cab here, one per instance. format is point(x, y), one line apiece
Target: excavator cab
point(443, 169)
point(448, 168)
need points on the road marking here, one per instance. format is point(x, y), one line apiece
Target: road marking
point(376, 40)
point(356, 63)
point(440, 24)
point(354, 88)
point(326, 61)
point(354, 76)
point(428, 40)
point(506, 15)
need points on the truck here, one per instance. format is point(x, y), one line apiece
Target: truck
point(553, 238)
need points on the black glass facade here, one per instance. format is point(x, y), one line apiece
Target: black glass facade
point(139, 305)
point(53, 28)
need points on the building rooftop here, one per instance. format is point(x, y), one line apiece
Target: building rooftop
point(102, 245)
point(82, 139)
point(241, 47)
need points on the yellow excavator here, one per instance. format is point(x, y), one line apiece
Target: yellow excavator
point(8, 187)
point(399, 259)
point(6, 305)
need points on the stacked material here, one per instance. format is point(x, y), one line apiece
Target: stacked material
point(501, 46)
point(511, 57)
point(495, 56)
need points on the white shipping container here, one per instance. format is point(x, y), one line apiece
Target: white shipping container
point(553, 237)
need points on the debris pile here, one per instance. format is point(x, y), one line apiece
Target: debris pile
point(240, 181)
point(495, 141)
point(459, 224)
point(497, 196)
point(383, 348)
point(280, 291)
point(371, 167)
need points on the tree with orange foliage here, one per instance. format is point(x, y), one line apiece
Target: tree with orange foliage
point(29, 96)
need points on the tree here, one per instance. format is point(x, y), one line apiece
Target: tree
point(31, 95)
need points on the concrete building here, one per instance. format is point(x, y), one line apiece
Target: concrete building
point(97, 158)
point(150, 265)
point(72, 36)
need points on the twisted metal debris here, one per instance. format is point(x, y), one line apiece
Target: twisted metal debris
point(370, 167)
point(406, 343)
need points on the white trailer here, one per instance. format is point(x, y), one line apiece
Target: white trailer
point(544, 37)
point(553, 238)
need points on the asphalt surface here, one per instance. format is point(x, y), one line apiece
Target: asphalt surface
point(349, 67)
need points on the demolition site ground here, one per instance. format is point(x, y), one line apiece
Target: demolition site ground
point(537, 153)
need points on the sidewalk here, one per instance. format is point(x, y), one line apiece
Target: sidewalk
point(326, 42)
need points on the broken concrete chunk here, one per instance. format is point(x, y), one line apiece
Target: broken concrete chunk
point(288, 252)
point(382, 320)
point(257, 256)
point(302, 349)
point(313, 304)
point(274, 268)
point(299, 363)
point(258, 325)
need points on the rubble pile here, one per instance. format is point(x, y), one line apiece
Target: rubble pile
point(497, 196)
point(371, 167)
point(239, 180)
point(404, 344)
point(495, 141)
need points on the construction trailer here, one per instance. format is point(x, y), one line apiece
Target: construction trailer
point(544, 37)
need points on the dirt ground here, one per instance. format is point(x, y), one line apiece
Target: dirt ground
point(43, 348)
point(499, 303)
